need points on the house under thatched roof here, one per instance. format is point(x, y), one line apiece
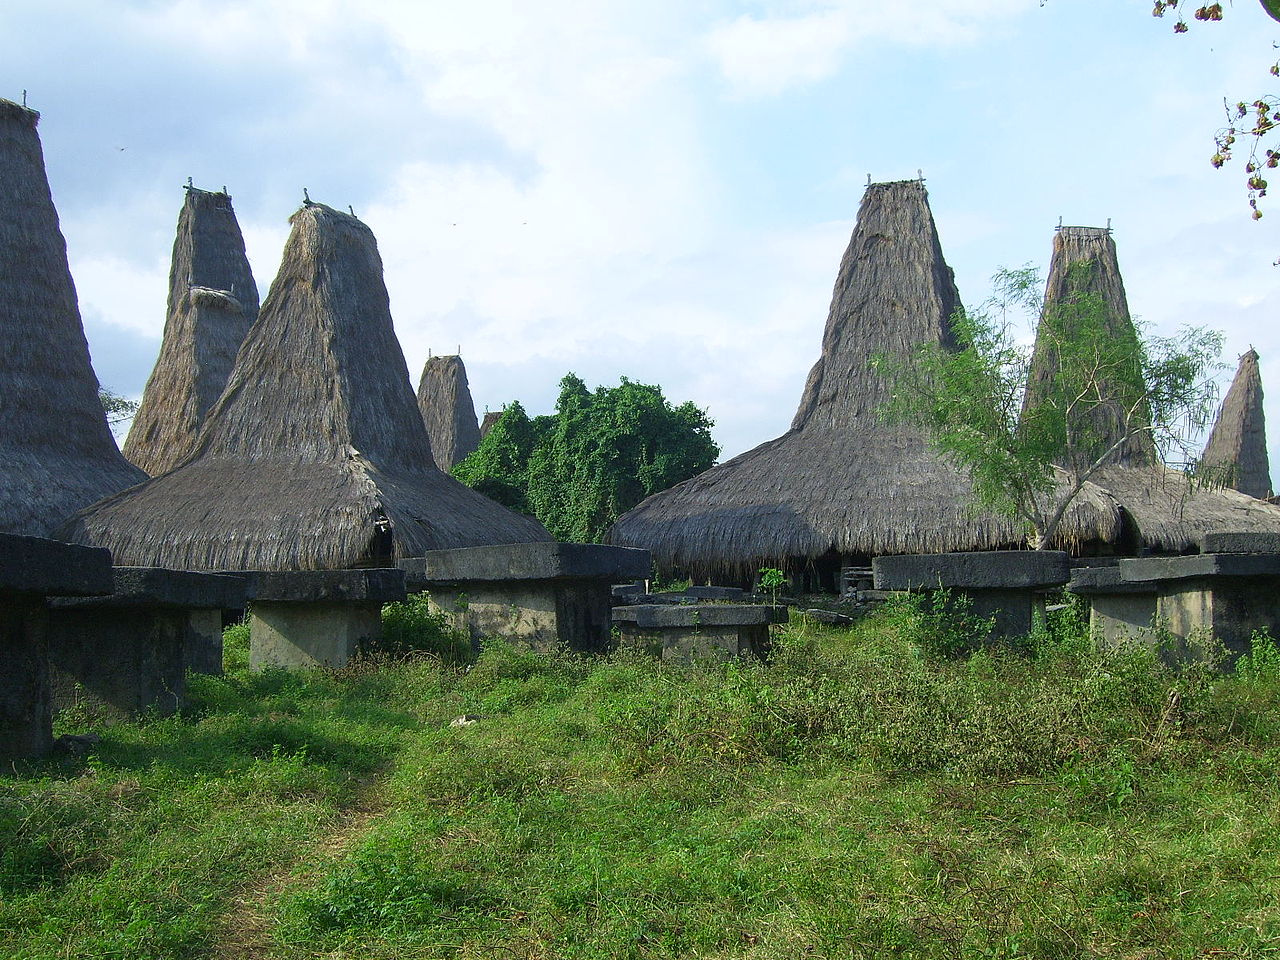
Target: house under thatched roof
point(490, 418)
point(444, 397)
point(1237, 445)
point(56, 451)
point(841, 482)
point(213, 302)
point(315, 455)
point(1085, 267)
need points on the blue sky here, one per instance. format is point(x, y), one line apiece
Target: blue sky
point(661, 190)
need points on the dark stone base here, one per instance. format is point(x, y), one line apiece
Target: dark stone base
point(26, 728)
point(118, 661)
point(545, 614)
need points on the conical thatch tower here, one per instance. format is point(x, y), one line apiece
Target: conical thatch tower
point(1084, 274)
point(444, 397)
point(490, 418)
point(213, 302)
point(56, 451)
point(841, 482)
point(1237, 446)
point(315, 455)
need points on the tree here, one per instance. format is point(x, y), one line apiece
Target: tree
point(1254, 119)
point(117, 408)
point(596, 457)
point(1030, 435)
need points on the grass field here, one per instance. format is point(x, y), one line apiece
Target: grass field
point(861, 795)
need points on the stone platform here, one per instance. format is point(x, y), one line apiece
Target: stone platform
point(698, 630)
point(129, 651)
point(31, 569)
point(547, 595)
point(317, 618)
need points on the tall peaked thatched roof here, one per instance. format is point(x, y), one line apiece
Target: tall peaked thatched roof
point(213, 302)
point(1085, 262)
point(315, 455)
point(56, 451)
point(841, 479)
point(444, 397)
point(1237, 445)
point(490, 418)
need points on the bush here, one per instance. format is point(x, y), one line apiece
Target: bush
point(412, 627)
point(235, 647)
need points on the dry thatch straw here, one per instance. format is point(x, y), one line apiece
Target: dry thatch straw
point(1085, 263)
point(315, 455)
point(56, 451)
point(1237, 446)
point(444, 398)
point(213, 302)
point(841, 480)
point(490, 418)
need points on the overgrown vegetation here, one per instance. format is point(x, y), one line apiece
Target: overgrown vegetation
point(869, 792)
point(596, 457)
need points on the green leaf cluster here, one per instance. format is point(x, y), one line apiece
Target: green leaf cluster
point(596, 457)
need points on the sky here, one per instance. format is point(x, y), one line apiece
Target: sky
point(660, 190)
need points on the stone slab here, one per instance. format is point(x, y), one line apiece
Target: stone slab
point(527, 561)
point(545, 614)
point(661, 617)
point(378, 585)
point(991, 570)
point(628, 589)
point(1105, 581)
point(1225, 541)
point(157, 587)
point(35, 565)
point(1203, 565)
point(26, 719)
point(715, 593)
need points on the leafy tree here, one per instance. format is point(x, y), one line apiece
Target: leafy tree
point(1018, 428)
point(596, 457)
point(117, 408)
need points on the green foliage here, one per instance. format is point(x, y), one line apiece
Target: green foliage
point(596, 457)
point(1008, 422)
point(117, 408)
point(940, 622)
point(771, 579)
point(412, 627)
point(235, 647)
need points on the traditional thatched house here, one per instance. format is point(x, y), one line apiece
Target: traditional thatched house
point(1085, 287)
point(56, 451)
point(841, 483)
point(315, 455)
point(1237, 447)
point(213, 302)
point(444, 397)
point(1159, 509)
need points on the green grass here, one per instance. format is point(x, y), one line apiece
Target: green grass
point(868, 793)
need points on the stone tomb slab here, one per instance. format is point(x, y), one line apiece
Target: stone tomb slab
point(1119, 609)
point(128, 652)
point(547, 595)
point(1228, 594)
point(31, 569)
point(699, 630)
point(1006, 586)
point(317, 618)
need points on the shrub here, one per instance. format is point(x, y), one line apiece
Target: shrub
point(412, 627)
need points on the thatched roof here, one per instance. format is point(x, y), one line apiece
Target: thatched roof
point(444, 398)
point(490, 418)
point(1237, 445)
point(315, 455)
point(56, 451)
point(841, 479)
point(1085, 263)
point(213, 302)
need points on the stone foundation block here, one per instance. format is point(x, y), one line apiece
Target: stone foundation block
point(696, 631)
point(1119, 610)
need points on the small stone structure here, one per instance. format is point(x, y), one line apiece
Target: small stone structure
point(31, 569)
point(1119, 609)
point(544, 594)
point(1230, 590)
point(1007, 586)
point(317, 618)
point(129, 651)
point(689, 631)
